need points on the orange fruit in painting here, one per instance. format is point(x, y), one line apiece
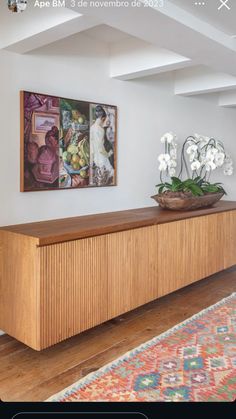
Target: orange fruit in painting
point(81, 120)
point(83, 174)
point(76, 166)
point(75, 158)
point(75, 114)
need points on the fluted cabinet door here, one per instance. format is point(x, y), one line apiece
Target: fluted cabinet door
point(19, 287)
point(229, 249)
point(190, 250)
point(73, 294)
point(132, 269)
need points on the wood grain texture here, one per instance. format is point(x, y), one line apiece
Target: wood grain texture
point(73, 288)
point(230, 239)
point(19, 287)
point(58, 231)
point(132, 269)
point(27, 375)
point(49, 293)
point(87, 282)
point(190, 250)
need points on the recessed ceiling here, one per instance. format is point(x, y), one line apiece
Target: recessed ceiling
point(107, 34)
point(223, 19)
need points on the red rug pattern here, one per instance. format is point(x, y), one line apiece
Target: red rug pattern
point(194, 361)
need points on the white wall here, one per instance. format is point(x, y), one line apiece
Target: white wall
point(78, 67)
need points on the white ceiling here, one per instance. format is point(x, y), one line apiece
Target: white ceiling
point(29, 22)
point(107, 34)
point(197, 42)
point(223, 19)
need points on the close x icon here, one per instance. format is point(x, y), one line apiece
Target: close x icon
point(224, 4)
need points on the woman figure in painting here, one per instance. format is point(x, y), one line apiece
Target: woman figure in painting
point(99, 156)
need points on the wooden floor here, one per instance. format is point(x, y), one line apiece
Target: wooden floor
point(26, 375)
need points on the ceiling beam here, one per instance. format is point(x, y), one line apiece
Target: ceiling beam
point(172, 28)
point(228, 99)
point(199, 80)
point(70, 27)
point(132, 58)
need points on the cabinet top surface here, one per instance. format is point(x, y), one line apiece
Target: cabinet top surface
point(66, 229)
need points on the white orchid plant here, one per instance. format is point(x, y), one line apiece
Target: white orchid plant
point(200, 156)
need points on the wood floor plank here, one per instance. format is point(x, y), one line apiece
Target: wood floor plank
point(72, 375)
point(26, 375)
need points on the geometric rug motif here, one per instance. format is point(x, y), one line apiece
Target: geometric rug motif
point(193, 361)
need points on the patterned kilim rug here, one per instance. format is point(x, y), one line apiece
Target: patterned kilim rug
point(193, 361)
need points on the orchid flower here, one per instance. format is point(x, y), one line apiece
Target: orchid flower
point(195, 165)
point(168, 137)
point(163, 159)
point(192, 149)
point(203, 156)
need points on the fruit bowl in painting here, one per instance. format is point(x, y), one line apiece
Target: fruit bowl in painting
point(187, 203)
point(72, 171)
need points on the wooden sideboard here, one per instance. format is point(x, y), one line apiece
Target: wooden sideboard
point(61, 277)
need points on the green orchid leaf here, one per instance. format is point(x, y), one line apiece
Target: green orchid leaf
point(210, 188)
point(176, 183)
point(198, 180)
point(161, 189)
point(188, 183)
point(176, 180)
point(196, 190)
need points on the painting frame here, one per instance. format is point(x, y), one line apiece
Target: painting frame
point(52, 112)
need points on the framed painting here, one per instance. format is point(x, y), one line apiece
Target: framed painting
point(43, 122)
point(66, 143)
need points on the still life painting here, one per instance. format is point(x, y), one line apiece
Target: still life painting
point(66, 143)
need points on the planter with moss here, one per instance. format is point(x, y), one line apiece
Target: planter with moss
point(184, 202)
point(190, 194)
